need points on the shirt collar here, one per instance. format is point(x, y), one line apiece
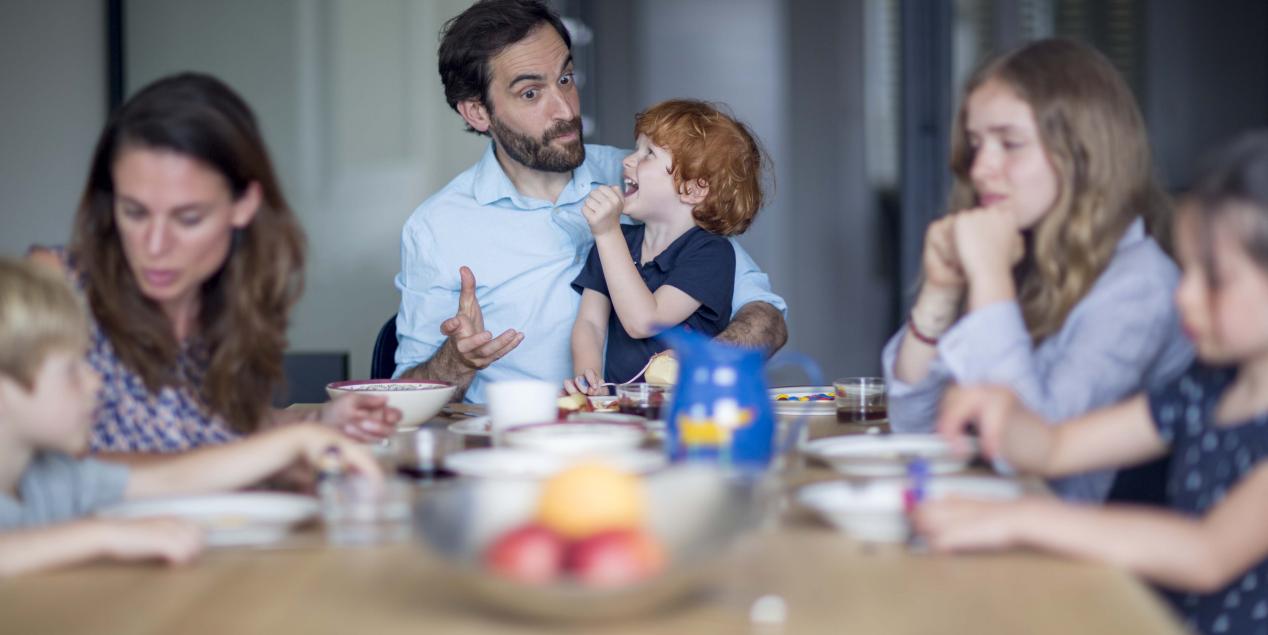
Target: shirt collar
point(665, 261)
point(1135, 233)
point(492, 184)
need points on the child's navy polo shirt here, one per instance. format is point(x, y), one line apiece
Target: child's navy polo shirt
point(698, 263)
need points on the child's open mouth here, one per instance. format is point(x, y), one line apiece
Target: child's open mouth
point(631, 186)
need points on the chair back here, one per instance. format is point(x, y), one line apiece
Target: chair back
point(383, 360)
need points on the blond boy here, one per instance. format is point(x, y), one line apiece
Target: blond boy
point(48, 495)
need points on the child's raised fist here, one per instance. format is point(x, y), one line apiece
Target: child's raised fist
point(602, 209)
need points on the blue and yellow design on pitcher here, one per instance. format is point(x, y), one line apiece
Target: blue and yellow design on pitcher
point(721, 411)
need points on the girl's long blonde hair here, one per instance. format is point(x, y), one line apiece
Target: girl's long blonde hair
point(1095, 140)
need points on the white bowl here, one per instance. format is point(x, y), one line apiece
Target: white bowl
point(576, 437)
point(417, 400)
point(886, 454)
point(872, 510)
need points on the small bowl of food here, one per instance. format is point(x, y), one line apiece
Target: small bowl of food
point(417, 400)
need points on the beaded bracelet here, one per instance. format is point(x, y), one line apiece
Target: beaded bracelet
point(915, 332)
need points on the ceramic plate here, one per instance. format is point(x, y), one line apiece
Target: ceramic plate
point(472, 426)
point(788, 400)
point(885, 455)
point(873, 510)
point(521, 463)
point(237, 519)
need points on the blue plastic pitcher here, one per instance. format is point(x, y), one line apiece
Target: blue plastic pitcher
point(721, 410)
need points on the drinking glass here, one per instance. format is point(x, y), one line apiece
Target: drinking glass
point(645, 400)
point(861, 400)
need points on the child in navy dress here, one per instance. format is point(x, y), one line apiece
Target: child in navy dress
point(693, 179)
point(1209, 552)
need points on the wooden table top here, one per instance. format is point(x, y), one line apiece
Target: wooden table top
point(829, 583)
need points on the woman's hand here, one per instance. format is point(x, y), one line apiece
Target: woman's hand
point(365, 418)
point(602, 210)
point(940, 259)
point(989, 244)
point(938, 304)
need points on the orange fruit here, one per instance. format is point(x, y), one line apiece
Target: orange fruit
point(589, 498)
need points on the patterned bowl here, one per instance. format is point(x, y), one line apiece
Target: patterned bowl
point(417, 400)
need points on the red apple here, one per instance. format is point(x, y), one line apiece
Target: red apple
point(615, 558)
point(531, 554)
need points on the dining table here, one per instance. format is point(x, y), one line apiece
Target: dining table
point(796, 574)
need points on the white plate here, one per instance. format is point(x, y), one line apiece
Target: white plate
point(586, 435)
point(237, 519)
point(520, 463)
point(873, 510)
point(815, 408)
point(885, 455)
point(472, 426)
point(481, 426)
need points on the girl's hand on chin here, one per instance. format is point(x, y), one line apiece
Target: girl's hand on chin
point(988, 241)
point(940, 258)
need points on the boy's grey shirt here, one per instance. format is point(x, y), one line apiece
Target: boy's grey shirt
point(56, 488)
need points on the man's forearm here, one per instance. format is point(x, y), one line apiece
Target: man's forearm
point(445, 365)
point(757, 325)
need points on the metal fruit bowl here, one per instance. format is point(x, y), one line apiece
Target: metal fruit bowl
point(695, 512)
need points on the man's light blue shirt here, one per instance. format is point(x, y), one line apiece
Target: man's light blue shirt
point(524, 253)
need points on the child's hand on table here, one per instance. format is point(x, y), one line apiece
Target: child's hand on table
point(958, 524)
point(171, 540)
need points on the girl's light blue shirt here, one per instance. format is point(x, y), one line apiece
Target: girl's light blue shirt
point(1122, 338)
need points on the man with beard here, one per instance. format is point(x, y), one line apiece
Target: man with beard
point(514, 218)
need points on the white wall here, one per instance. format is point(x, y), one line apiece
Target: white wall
point(52, 105)
point(354, 114)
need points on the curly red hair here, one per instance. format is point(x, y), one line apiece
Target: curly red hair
point(709, 145)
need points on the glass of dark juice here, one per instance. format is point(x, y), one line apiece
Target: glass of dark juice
point(644, 400)
point(419, 454)
point(861, 400)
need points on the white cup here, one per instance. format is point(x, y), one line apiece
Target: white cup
point(521, 401)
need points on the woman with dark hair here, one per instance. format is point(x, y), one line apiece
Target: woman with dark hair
point(190, 260)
